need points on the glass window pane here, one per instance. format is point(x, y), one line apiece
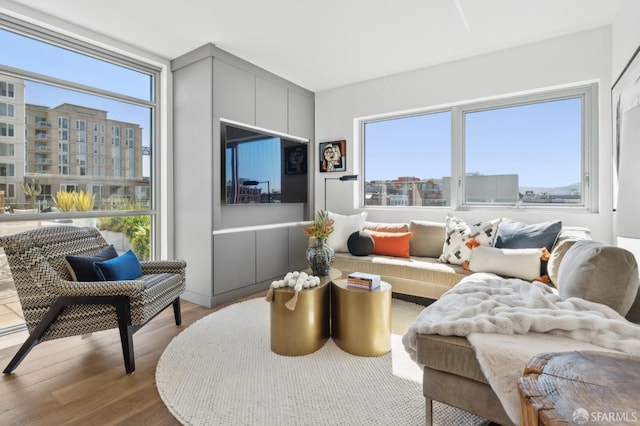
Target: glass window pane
point(36, 56)
point(408, 161)
point(55, 152)
point(528, 153)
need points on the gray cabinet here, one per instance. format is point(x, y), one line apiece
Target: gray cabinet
point(271, 106)
point(255, 256)
point(231, 251)
point(234, 92)
point(301, 122)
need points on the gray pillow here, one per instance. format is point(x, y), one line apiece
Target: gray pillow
point(600, 273)
point(427, 238)
point(555, 259)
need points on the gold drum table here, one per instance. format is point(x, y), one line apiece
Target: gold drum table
point(306, 328)
point(361, 319)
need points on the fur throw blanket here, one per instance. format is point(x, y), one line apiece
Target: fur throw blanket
point(487, 303)
point(508, 321)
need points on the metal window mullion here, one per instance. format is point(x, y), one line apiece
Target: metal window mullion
point(457, 158)
point(73, 44)
point(65, 84)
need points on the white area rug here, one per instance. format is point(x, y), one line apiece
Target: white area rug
point(221, 371)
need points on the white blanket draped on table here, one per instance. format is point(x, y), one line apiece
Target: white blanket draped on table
point(508, 321)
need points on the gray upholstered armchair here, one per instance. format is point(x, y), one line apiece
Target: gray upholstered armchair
point(54, 306)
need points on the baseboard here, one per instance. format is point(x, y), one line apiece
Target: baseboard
point(424, 301)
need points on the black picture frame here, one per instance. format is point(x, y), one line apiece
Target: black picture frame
point(625, 93)
point(295, 160)
point(337, 149)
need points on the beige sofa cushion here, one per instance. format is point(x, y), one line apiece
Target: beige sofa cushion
point(600, 273)
point(386, 227)
point(568, 235)
point(418, 276)
point(427, 238)
point(555, 259)
point(451, 354)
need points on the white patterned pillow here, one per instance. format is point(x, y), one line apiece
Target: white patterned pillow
point(456, 250)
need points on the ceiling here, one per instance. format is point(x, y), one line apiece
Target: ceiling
point(323, 44)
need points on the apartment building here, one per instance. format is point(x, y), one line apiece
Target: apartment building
point(67, 147)
point(11, 134)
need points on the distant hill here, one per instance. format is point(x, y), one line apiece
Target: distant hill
point(559, 190)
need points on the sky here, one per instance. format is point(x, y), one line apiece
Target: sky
point(541, 143)
point(260, 161)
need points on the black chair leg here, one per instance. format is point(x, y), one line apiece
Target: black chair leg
point(176, 311)
point(22, 353)
point(126, 333)
point(34, 338)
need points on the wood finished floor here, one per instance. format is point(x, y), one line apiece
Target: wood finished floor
point(75, 381)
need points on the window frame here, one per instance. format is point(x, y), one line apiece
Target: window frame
point(154, 103)
point(588, 92)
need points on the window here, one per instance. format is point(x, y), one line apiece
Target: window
point(528, 151)
point(7, 149)
point(7, 110)
point(7, 89)
point(408, 161)
point(77, 103)
point(524, 153)
point(9, 190)
point(7, 169)
point(6, 130)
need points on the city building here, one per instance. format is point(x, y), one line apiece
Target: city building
point(67, 148)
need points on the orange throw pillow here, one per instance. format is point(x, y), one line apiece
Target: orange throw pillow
point(391, 243)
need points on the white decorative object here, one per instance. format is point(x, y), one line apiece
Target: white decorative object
point(298, 281)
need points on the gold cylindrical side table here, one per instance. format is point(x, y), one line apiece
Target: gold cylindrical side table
point(306, 328)
point(361, 319)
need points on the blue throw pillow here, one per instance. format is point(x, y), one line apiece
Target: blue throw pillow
point(81, 267)
point(516, 235)
point(122, 268)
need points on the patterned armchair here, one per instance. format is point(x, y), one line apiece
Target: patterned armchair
point(55, 307)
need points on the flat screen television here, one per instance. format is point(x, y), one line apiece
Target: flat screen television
point(261, 167)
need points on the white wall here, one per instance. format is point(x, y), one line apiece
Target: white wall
point(625, 35)
point(579, 57)
point(625, 40)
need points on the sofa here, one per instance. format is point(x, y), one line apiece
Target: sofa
point(451, 372)
point(421, 270)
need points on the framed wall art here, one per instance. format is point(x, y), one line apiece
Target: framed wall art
point(333, 156)
point(625, 103)
point(295, 160)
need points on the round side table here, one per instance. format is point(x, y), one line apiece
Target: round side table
point(361, 319)
point(306, 328)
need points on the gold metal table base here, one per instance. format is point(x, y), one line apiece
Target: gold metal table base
point(306, 328)
point(361, 319)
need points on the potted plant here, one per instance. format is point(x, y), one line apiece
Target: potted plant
point(320, 256)
point(64, 201)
